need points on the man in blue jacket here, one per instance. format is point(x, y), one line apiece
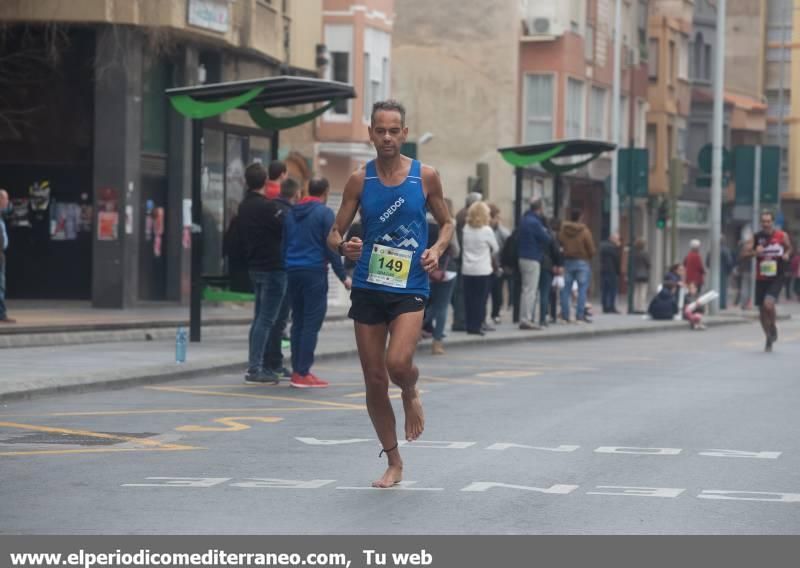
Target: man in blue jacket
point(307, 255)
point(532, 241)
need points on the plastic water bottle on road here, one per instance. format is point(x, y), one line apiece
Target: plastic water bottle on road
point(180, 345)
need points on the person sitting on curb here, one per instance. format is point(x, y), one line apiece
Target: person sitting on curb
point(694, 314)
point(664, 306)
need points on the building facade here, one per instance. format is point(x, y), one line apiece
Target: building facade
point(99, 169)
point(455, 66)
point(358, 36)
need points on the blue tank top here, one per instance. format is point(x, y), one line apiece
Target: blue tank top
point(395, 235)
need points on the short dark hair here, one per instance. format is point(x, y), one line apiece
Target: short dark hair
point(575, 215)
point(768, 212)
point(255, 176)
point(289, 188)
point(318, 186)
point(276, 169)
point(536, 205)
point(389, 105)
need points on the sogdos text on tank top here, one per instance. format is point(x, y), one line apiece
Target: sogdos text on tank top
point(390, 211)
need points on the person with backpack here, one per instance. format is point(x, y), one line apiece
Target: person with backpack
point(532, 241)
point(551, 267)
point(664, 306)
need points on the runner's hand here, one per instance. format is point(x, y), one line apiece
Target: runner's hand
point(430, 260)
point(352, 248)
point(348, 283)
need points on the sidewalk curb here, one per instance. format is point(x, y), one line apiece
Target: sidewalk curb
point(171, 372)
point(97, 333)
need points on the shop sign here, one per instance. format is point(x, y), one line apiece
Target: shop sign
point(209, 14)
point(693, 215)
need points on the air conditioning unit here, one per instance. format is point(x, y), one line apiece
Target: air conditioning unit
point(539, 26)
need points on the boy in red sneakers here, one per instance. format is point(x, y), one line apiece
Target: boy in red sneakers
point(307, 256)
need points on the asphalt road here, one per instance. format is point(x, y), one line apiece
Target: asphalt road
point(675, 432)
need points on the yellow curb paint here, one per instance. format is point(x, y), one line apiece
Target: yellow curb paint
point(149, 445)
point(259, 396)
point(231, 423)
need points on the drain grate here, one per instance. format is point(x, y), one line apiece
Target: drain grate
point(73, 439)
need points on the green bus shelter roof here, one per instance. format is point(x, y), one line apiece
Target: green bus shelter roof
point(545, 153)
point(204, 101)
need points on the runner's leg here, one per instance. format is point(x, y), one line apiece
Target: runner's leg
point(403, 372)
point(371, 342)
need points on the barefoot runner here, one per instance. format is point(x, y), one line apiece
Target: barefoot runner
point(390, 281)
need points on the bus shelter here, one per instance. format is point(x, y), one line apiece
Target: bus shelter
point(545, 156)
point(256, 97)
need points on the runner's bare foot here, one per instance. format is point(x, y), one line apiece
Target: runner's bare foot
point(415, 418)
point(393, 476)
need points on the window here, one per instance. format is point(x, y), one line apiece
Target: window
point(697, 57)
point(672, 64)
point(652, 60)
point(588, 43)
point(575, 106)
point(652, 144)
point(386, 79)
point(340, 63)
point(598, 115)
point(709, 64)
point(624, 119)
point(538, 125)
point(575, 15)
point(641, 124)
point(683, 59)
point(367, 92)
point(681, 149)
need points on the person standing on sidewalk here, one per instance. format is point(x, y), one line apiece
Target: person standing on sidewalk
point(443, 280)
point(479, 246)
point(390, 283)
point(3, 247)
point(458, 291)
point(695, 271)
point(277, 175)
point(499, 277)
point(578, 245)
point(551, 266)
point(532, 240)
point(273, 354)
point(307, 256)
point(641, 276)
point(610, 266)
point(261, 225)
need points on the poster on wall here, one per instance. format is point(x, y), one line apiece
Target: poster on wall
point(158, 230)
point(20, 209)
point(64, 221)
point(107, 226)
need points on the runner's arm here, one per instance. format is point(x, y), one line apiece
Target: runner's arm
point(787, 243)
point(344, 218)
point(433, 184)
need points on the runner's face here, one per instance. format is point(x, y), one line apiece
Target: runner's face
point(766, 223)
point(387, 133)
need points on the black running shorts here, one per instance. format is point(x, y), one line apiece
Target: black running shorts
point(771, 288)
point(372, 307)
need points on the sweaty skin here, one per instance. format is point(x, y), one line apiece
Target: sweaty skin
point(380, 363)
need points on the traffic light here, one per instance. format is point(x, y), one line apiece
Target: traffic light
point(663, 215)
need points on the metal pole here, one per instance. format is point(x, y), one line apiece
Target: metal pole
point(786, 20)
point(615, 117)
point(631, 228)
point(716, 185)
point(516, 288)
point(756, 217)
point(195, 316)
